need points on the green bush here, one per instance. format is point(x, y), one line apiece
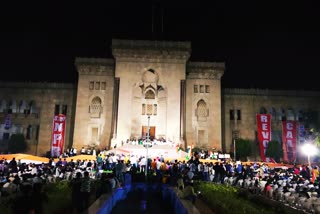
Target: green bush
point(59, 198)
point(59, 195)
point(223, 199)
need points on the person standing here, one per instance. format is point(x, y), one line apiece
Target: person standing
point(75, 193)
point(85, 190)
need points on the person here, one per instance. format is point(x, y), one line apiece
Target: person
point(85, 190)
point(75, 193)
point(83, 151)
point(188, 192)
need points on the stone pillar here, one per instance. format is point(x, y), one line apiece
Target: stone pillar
point(115, 112)
point(182, 112)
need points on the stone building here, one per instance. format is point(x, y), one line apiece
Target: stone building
point(148, 84)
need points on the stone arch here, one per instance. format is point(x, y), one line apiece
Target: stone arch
point(202, 110)
point(281, 114)
point(290, 114)
point(273, 112)
point(263, 110)
point(23, 106)
point(150, 94)
point(95, 106)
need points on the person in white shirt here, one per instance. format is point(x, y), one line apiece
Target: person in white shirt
point(83, 151)
point(74, 151)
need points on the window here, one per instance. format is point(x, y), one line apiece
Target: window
point(235, 114)
point(91, 85)
point(273, 112)
point(202, 109)
point(263, 110)
point(95, 108)
point(29, 132)
point(155, 109)
point(201, 88)
point(150, 95)
point(37, 132)
point(97, 86)
point(143, 109)
point(23, 106)
point(207, 89)
point(149, 109)
point(195, 88)
point(103, 85)
point(290, 114)
point(300, 115)
point(282, 114)
point(3, 106)
point(56, 109)
point(238, 114)
point(64, 109)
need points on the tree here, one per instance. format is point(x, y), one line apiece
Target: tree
point(17, 143)
point(274, 150)
point(243, 149)
point(315, 136)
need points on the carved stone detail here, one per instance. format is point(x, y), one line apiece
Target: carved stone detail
point(95, 66)
point(151, 51)
point(205, 70)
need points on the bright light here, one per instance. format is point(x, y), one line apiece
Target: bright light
point(309, 149)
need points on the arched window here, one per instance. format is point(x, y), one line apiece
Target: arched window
point(23, 107)
point(202, 110)
point(263, 110)
point(300, 115)
point(95, 107)
point(273, 113)
point(150, 95)
point(290, 114)
point(281, 114)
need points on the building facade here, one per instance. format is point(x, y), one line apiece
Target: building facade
point(148, 84)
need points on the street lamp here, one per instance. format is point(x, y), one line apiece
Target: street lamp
point(309, 150)
point(148, 135)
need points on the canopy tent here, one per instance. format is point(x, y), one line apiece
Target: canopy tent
point(82, 157)
point(25, 158)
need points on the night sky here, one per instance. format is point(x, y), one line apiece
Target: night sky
point(275, 46)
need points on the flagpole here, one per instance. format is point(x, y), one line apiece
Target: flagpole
point(234, 149)
point(148, 135)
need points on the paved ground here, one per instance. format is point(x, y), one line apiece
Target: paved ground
point(138, 202)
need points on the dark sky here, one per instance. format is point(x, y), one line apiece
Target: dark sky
point(271, 45)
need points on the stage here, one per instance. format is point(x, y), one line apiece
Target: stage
point(167, 151)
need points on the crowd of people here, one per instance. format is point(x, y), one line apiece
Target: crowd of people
point(111, 170)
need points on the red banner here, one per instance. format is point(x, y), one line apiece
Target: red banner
point(289, 140)
point(264, 133)
point(58, 133)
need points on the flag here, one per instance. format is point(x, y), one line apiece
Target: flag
point(264, 133)
point(189, 152)
point(178, 148)
point(58, 134)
